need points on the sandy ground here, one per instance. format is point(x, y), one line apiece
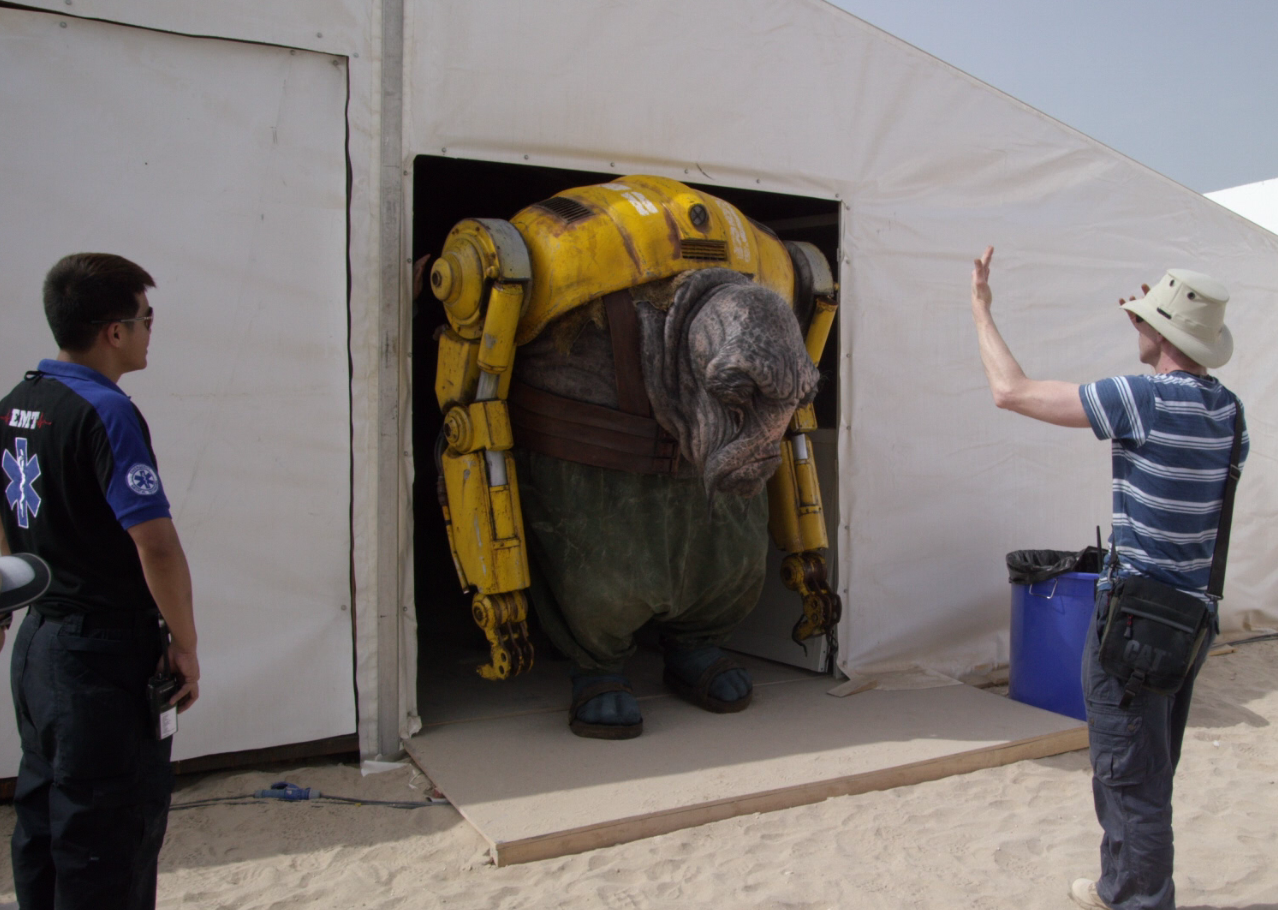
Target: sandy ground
point(1006, 837)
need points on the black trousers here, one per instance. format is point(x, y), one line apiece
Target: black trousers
point(93, 788)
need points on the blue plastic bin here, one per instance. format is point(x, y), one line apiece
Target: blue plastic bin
point(1049, 627)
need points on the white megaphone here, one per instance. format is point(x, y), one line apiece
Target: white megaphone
point(24, 577)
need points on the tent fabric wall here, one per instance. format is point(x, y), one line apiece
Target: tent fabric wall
point(221, 168)
point(798, 97)
point(350, 29)
point(930, 165)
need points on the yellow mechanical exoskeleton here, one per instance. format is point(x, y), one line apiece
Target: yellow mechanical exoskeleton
point(502, 282)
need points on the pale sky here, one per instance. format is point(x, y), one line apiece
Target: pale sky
point(1187, 87)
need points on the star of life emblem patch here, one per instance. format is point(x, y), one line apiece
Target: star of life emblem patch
point(23, 473)
point(143, 480)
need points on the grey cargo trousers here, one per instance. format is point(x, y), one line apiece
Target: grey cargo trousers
point(1134, 753)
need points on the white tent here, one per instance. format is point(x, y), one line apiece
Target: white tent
point(260, 159)
point(1256, 202)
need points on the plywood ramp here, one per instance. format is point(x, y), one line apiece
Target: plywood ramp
point(535, 791)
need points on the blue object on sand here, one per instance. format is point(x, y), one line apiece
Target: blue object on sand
point(284, 790)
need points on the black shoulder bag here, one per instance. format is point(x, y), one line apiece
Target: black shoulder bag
point(1153, 632)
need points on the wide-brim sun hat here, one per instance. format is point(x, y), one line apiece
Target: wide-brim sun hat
point(1188, 309)
point(24, 577)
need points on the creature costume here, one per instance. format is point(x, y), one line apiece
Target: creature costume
point(1172, 436)
point(93, 787)
point(613, 548)
point(660, 370)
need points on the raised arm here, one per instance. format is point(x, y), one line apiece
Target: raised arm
point(1048, 400)
point(169, 579)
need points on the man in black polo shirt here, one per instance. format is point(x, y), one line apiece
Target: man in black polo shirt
point(82, 491)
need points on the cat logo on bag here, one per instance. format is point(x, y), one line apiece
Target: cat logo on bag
point(1143, 656)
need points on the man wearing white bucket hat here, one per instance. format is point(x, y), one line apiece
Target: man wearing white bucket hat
point(1173, 436)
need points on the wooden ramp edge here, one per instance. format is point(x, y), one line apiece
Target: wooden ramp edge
point(534, 791)
point(592, 837)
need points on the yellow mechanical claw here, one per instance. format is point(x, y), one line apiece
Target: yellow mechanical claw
point(503, 617)
point(805, 574)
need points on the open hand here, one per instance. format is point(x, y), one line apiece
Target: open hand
point(981, 293)
point(419, 275)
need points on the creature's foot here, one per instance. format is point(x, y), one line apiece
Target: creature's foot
point(603, 706)
point(709, 679)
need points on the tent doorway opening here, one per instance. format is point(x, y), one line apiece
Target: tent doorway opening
point(447, 190)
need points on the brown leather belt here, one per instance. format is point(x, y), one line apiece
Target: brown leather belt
point(628, 439)
point(590, 433)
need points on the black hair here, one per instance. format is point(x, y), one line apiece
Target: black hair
point(86, 290)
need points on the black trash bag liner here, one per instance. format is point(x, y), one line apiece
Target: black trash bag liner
point(1025, 567)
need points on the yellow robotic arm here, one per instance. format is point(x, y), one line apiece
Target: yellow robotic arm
point(795, 516)
point(482, 279)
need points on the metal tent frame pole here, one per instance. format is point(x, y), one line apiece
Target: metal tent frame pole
point(388, 378)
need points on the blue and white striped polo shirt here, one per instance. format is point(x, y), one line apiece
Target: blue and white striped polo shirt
point(1172, 437)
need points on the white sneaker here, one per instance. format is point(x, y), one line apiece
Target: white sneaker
point(1083, 892)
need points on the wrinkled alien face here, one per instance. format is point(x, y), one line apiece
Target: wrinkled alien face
point(750, 371)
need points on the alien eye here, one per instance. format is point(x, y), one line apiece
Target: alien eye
point(733, 387)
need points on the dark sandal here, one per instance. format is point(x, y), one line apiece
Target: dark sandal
point(699, 692)
point(601, 731)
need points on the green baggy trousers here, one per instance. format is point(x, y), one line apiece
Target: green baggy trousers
point(612, 550)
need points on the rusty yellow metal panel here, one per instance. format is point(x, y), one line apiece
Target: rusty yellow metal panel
point(497, 347)
point(819, 330)
point(458, 370)
point(590, 241)
point(804, 420)
point(479, 426)
point(795, 518)
point(811, 519)
point(783, 499)
point(487, 525)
